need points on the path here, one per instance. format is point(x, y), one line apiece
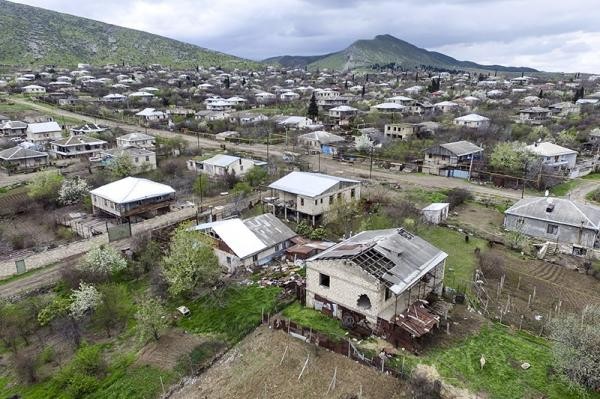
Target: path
point(580, 192)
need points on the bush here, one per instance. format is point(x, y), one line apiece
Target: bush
point(458, 196)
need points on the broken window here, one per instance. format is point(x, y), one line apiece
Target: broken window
point(552, 229)
point(363, 302)
point(579, 251)
point(324, 280)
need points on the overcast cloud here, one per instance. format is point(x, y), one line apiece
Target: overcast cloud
point(546, 34)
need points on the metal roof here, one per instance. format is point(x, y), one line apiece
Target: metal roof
point(308, 184)
point(460, 148)
point(132, 189)
point(547, 149)
point(43, 127)
point(394, 256)
point(19, 152)
point(564, 211)
point(221, 160)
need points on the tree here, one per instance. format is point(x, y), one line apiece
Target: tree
point(84, 299)
point(510, 157)
point(576, 347)
point(256, 176)
point(112, 311)
point(190, 261)
point(201, 185)
point(103, 260)
point(72, 191)
point(121, 166)
point(242, 188)
point(313, 108)
point(363, 143)
point(457, 196)
point(45, 186)
point(151, 319)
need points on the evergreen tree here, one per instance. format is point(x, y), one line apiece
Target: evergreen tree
point(313, 109)
point(227, 82)
point(362, 93)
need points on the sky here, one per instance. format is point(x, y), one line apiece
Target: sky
point(549, 35)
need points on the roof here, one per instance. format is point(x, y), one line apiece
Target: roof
point(323, 137)
point(472, 118)
point(221, 160)
point(547, 149)
point(135, 137)
point(436, 206)
point(308, 184)
point(460, 148)
point(534, 110)
point(13, 125)
point(394, 256)
point(565, 211)
point(76, 140)
point(344, 108)
point(149, 112)
point(389, 106)
point(19, 152)
point(250, 236)
point(43, 127)
point(132, 189)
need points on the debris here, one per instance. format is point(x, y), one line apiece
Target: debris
point(525, 366)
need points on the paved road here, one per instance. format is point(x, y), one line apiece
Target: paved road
point(327, 165)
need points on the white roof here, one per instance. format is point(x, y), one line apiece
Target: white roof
point(242, 241)
point(400, 98)
point(547, 149)
point(389, 106)
point(445, 104)
point(344, 108)
point(141, 94)
point(222, 160)
point(472, 118)
point(43, 127)
point(436, 206)
point(307, 184)
point(132, 189)
point(149, 112)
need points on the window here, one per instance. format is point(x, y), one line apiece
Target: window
point(136, 160)
point(301, 201)
point(316, 202)
point(352, 193)
point(552, 229)
point(330, 199)
point(229, 260)
point(579, 251)
point(321, 200)
point(255, 258)
point(339, 196)
point(388, 293)
point(324, 280)
point(241, 167)
point(147, 159)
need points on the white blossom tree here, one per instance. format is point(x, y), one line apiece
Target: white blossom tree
point(363, 143)
point(72, 191)
point(151, 318)
point(103, 260)
point(84, 299)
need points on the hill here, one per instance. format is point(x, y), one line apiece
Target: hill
point(386, 49)
point(35, 36)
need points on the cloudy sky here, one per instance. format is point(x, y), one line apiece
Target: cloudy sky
point(551, 35)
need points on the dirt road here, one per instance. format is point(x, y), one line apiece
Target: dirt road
point(580, 192)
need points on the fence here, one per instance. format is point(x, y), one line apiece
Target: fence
point(340, 346)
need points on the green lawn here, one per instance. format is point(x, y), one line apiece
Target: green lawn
point(461, 260)
point(311, 318)
point(502, 376)
point(563, 189)
point(231, 314)
point(592, 176)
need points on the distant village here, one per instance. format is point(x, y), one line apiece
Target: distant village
point(402, 205)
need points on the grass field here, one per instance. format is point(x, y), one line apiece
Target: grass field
point(313, 319)
point(461, 261)
point(502, 377)
point(233, 313)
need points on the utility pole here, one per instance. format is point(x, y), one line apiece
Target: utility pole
point(268, 141)
point(198, 139)
point(319, 161)
point(371, 163)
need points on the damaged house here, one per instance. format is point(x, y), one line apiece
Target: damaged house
point(378, 279)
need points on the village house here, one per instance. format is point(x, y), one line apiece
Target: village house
point(402, 100)
point(43, 132)
point(141, 159)
point(554, 156)
point(88, 128)
point(534, 115)
point(451, 159)
point(20, 159)
point(304, 195)
point(296, 122)
point(380, 280)
point(572, 226)
point(321, 141)
point(77, 146)
point(131, 197)
point(342, 113)
point(388, 107)
point(13, 128)
point(251, 242)
point(400, 131)
point(446, 106)
point(151, 115)
point(222, 164)
point(472, 121)
point(136, 139)
point(33, 89)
